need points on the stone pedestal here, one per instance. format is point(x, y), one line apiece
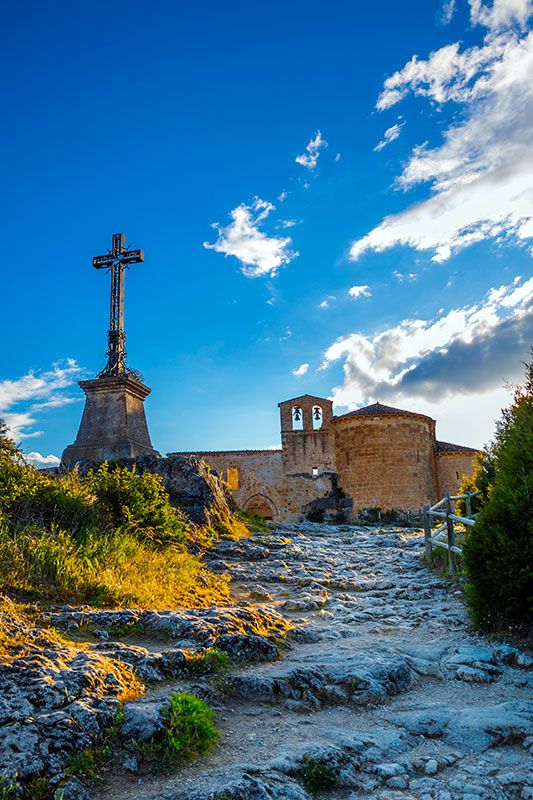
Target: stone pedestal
point(113, 425)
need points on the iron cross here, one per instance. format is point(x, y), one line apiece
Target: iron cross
point(117, 261)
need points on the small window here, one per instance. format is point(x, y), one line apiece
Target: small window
point(317, 418)
point(457, 475)
point(297, 418)
point(233, 478)
point(418, 455)
point(347, 458)
point(315, 471)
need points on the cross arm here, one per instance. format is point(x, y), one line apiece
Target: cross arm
point(103, 262)
point(132, 257)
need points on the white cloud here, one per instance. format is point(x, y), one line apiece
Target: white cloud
point(389, 136)
point(327, 301)
point(481, 176)
point(42, 461)
point(35, 391)
point(309, 159)
point(360, 291)
point(418, 363)
point(404, 276)
point(501, 13)
point(258, 253)
point(301, 370)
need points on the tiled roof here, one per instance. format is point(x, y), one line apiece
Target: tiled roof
point(379, 408)
point(448, 447)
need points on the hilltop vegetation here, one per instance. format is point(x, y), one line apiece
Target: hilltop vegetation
point(498, 550)
point(111, 538)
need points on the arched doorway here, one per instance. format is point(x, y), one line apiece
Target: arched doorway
point(261, 505)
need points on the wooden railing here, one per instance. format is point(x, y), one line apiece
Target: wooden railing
point(444, 534)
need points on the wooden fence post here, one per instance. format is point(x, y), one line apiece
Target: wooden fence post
point(468, 504)
point(427, 534)
point(451, 534)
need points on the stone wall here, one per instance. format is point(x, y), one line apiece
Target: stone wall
point(259, 483)
point(386, 461)
point(450, 470)
point(254, 475)
point(375, 458)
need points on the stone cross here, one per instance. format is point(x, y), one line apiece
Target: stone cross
point(117, 260)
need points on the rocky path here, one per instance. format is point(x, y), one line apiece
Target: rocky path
point(382, 690)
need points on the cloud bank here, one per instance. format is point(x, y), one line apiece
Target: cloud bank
point(22, 399)
point(481, 176)
point(468, 351)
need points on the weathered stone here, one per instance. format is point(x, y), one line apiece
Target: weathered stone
point(113, 425)
point(381, 463)
point(74, 790)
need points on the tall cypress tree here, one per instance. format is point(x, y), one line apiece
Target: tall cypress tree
point(498, 550)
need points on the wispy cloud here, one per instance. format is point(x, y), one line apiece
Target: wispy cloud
point(301, 370)
point(309, 159)
point(359, 291)
point(326, 303)
point(469, 350)
point(258, 253)
point(23, 398)
point(447, 11)
point(481, 175)
point(401, 277)
point(389, 136)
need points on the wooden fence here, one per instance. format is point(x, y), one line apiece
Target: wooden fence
point(444, 534)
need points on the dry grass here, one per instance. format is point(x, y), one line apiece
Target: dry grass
point(114, 570)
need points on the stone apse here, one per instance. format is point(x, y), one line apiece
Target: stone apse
point(375, 457)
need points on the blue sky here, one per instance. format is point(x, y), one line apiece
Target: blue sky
point(327, 158)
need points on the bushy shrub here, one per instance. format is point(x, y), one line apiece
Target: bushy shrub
point(316, 777)
point(111, 538)
point(137, 504)
point(189, 731)
point(497, 551)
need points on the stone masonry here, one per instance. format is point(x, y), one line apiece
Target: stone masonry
point(376, 457)
point(113, 424)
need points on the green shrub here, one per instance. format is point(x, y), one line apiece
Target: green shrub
point(189, 731)
point(9, 787)
point(208, 662)
point(497, 551)
point(315, 776)
point(253, 521)
point(138, 504)
point(111, 538)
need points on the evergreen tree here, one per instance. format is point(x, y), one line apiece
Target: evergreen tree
point(498, 550)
